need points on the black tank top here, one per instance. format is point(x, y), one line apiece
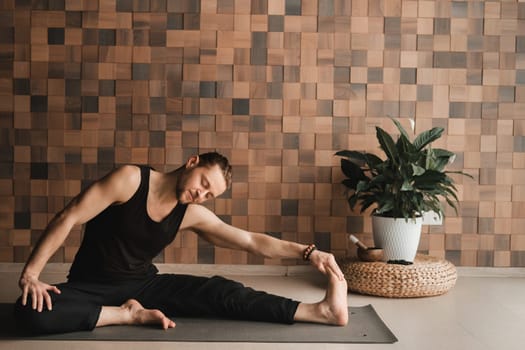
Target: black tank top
point(121, 242)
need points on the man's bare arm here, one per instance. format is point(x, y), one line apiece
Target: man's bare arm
point(116, 187)
point(210, 227)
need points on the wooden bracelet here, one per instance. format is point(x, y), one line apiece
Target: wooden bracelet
point(308, 251)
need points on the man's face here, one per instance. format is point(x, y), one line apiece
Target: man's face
point(198, 184)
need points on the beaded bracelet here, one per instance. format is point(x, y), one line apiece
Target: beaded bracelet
point(308, 251)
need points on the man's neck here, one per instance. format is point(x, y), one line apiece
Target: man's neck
point(165, 184)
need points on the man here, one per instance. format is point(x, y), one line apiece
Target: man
point(131, 214)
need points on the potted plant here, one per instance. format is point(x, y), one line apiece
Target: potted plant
point(400, 188)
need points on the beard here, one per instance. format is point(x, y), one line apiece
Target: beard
point(178, 193)
point(180, 188)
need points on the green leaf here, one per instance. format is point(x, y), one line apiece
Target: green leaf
point(439, 164)
point(400, 128)
point(437, 159)
point(460, 173)
point(439, 152)
point(352, 155)
point(407, 186)
point(429, 179)
point(387, 144)
point(362, 186)
point(360, 158)
point(405, 148)
point(352, 201)
point(417, 170)
point(372, 160)
point(350, 184)
point(385, 207)
point(367, 202)
point(450, 192)
point(427, 137)
point(352, 170)
point(452, 204)
point(378, 181)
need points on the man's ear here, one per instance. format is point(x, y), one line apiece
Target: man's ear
point(192, 161)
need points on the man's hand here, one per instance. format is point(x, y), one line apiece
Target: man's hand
point(325, 263)
point(39, 292)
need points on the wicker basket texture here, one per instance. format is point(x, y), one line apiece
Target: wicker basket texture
point(428, 276)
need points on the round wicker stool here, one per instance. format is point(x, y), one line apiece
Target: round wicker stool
point(427, 276)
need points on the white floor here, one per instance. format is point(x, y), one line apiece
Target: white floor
point(480, 312)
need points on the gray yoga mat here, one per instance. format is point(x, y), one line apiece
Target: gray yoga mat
point(364, 326)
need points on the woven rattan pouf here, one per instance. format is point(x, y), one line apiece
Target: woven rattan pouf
point(427, 276)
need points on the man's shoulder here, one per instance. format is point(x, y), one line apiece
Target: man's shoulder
point(127, 174)
point(130, 168)
point(193, 208)
point(197, 213)
point(133, 167)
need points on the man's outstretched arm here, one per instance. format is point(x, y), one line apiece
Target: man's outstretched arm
point(205, 223)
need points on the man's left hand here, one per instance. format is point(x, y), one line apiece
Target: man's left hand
point(325, 263)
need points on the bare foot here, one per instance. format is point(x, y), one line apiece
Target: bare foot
point(332, 310)
point(138, 315)
point(334, 306)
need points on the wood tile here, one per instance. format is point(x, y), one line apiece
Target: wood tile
point(279, 86)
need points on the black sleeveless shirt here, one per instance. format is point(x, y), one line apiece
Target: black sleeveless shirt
point(121, 242)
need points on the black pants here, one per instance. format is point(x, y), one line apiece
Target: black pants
point(79, 304)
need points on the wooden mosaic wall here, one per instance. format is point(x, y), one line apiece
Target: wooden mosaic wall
point(276, 85)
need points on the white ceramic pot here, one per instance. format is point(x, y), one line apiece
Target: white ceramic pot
point(398, 237)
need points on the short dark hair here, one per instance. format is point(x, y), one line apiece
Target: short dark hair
point(210, 159)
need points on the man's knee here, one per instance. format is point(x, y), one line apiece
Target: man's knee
point(31, 321)
point(226, 286)
point(226, 282)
